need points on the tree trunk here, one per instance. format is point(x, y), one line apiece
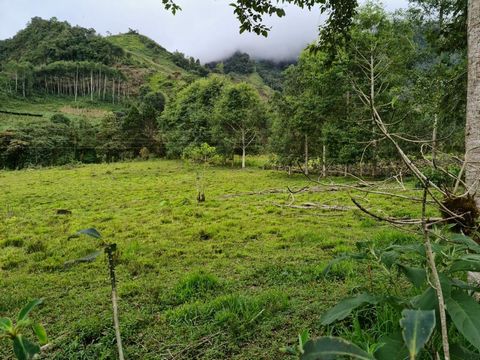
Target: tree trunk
point(104, 87)
point(91, 85)
point(324, 160)
point(472, 128)
point(306, 154)
point(75, 84)
point(434, 141)
point(243, 149)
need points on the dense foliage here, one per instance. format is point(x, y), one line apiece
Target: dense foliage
point(413, 84)
point(46, 41)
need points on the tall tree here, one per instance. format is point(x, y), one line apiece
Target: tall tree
point(472, 133)
point(240, 118)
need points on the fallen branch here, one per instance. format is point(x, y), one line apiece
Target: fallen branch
point(399, 221)
point(387, 219)
point(283, 191)
point(310, 205)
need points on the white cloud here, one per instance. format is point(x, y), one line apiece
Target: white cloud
point(205, 29)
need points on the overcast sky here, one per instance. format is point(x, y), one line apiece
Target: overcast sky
point(205, 29)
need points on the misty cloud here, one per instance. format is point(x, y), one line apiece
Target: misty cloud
point(204, 29)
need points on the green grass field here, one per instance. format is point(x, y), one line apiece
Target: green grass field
point(232, 278)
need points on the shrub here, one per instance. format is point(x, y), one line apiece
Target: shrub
point(144, 153)
point(60, 119)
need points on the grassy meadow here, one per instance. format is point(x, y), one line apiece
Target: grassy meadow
point(235, 277)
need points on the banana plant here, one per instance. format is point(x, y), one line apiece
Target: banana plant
point(23, 348)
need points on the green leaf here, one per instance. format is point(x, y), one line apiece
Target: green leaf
point(465, 240)
point(458, 352)
point(465, 286)
point(303, 337)
point(469, 262)
point(465, 314)
point(90, 232)
point(346, 306)
point(393, 348)
point(333, 262)
point(5, 324)
point(417, 328)
point(89, 258)
point(417, 276)
point(28, 308)
point(426, 301)
point(24, 349)
point(41, 333)
point(388, 258)
point(330, 348)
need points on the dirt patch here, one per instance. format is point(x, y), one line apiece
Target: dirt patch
point(92, 113)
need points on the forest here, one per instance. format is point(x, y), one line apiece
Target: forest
point(319, 207)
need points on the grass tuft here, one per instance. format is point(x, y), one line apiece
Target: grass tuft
point(196, 286)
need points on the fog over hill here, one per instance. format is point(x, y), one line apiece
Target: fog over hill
point(205, 29)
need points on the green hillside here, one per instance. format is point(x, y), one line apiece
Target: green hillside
point(52, 57)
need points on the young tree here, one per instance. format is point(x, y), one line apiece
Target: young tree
point(240, 118)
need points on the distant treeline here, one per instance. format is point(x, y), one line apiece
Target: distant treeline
point(62, 140)
point(66, 78)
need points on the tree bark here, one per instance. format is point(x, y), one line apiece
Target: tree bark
point(472, 128)
point(104, 87)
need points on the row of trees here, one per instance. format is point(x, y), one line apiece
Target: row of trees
point(66, 78)
point(417, 86)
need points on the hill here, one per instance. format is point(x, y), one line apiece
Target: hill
point(52, 57)
point(239, 63)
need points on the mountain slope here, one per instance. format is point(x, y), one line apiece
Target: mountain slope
point(52, 57)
